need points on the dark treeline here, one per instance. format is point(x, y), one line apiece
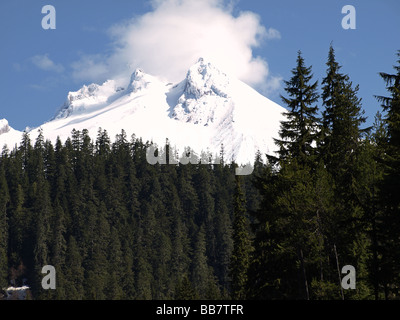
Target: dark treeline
point(331, 197)
point(116, 227)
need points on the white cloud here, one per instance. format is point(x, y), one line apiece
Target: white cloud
point(91, 67)
point(45, 63)
point(168, 40)
point(273, 34)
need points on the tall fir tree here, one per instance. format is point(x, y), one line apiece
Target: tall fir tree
point(43, 211)
point(367, 192)
point(4, 229)
point(184, 289)
point(390, 185)
point(300, 130)
point(74, 271)
point(240, 259)
point(341, 121)
point(266, 268)
point(203, 278)
point(339, 150)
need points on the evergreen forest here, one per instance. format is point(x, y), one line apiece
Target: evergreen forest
point(116, 227)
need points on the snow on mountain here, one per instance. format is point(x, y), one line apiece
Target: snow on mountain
point(8, 135)
point(88, 98)
point(4, 127)
point(238, 117)
point(205, 96)
point(206, 110)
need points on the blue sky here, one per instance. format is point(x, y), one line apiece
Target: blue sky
point(39, 67)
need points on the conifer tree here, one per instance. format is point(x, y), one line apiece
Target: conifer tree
point(188, 195)
point(184, 289)
point(114, 286)
point(286, 258)
point(265, 272)
point(240, 259)
point(19, 231)
point(4, 202)
point(200, 268)
point(181, 249)
point(340, 149)
point(43, 214)
point(390, 185)
point(299, 132)
point(96, 265)
point(59, 248)
point(25, 148)
point(342, 118)
point(224, 242)
point(128, 278)
point(162, 284)
point(74, 271)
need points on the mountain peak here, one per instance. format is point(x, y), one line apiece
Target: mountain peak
point(86, 97)
point(139, 81)
point(4, 127)
point(205, 97)
point(204, 111)
point(203, 78)
point(137, 74)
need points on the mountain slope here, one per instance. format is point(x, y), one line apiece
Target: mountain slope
point(8, 135)
point(206, 110)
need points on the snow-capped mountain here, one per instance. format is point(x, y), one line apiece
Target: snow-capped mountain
point(4, 127)
point(8, 135)
point(206, 110)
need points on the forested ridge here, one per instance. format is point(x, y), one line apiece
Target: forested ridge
point(116, 227)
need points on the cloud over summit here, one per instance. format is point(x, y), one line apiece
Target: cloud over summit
point(169, 39)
